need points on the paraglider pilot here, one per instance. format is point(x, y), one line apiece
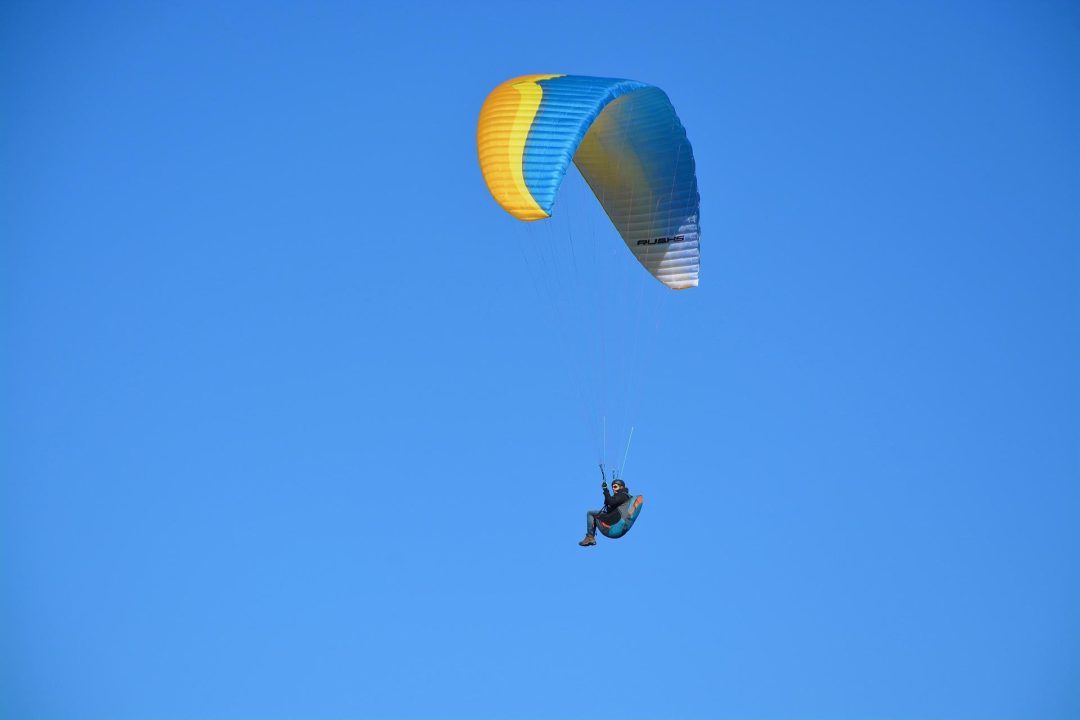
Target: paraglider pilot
point(610, 514)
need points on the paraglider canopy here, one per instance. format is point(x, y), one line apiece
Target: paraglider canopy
point(628, 143)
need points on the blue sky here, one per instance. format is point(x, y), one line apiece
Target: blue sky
point(284, 432)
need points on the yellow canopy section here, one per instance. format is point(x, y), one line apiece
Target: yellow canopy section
point(505, 119)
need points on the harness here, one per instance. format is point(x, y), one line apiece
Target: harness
point(628, 511)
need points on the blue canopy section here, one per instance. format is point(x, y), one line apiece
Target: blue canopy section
point(627, 141)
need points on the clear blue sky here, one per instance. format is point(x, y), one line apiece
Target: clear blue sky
point(281, 433)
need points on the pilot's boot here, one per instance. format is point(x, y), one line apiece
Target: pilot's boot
point(589, 540)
